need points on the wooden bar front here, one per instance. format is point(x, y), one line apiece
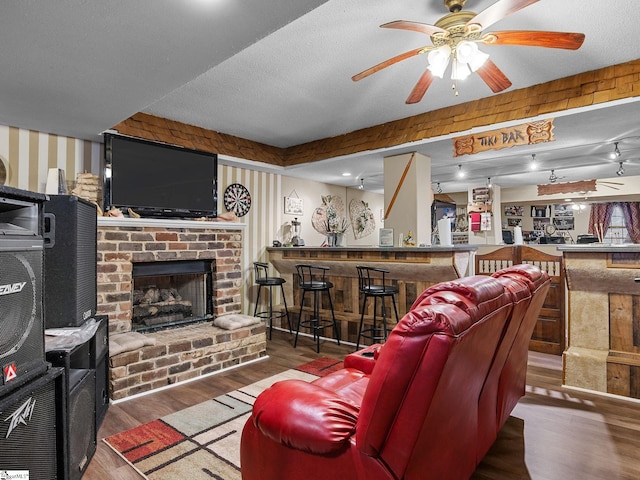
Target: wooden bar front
point(411, 269)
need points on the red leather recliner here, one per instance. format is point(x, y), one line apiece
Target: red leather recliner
point(418, 408)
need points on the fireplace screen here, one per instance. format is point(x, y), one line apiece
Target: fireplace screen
point(167, 294)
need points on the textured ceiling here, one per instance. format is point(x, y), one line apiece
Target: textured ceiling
point(279, 72)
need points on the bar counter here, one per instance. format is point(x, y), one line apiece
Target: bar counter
point(604, 332)
point(412, 269)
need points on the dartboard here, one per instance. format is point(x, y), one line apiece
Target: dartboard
point(237, 199)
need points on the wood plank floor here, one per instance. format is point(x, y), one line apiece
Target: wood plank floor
point(553, 433)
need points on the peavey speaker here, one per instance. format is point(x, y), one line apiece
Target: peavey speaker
point(21, 329)
point(32, 428)
point(70, 267)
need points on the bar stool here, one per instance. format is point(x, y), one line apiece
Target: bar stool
point(372, 282)
point(312, 278)
point(262, 279)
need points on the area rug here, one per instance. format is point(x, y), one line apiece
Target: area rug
point(202, 441)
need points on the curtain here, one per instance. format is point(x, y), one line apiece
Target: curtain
point(631, 211)
point(600, 217)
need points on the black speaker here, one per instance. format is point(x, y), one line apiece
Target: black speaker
point(21, 327)
point(32, 427)
point(70, 267)
point(81, 426)
point(92, 354)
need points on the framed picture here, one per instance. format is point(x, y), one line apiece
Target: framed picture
point(514, 222)
point(562, 210)
point(386, 237)
point(564, 223)
point(293, 206)
point(513, 210)
point(540, 224)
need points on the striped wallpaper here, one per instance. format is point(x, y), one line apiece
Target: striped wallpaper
point(27, 156)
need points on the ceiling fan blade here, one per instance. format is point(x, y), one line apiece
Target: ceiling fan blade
point(389, 62)
point(420, 88)
point(415, 26)
point(498, 11)
point(493, 77)
point(533, 38)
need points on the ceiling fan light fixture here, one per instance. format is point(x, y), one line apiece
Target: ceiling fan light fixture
point(439, 60)
point(468, 53)
point(459, 70)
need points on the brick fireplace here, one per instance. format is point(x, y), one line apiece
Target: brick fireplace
point(187, 351)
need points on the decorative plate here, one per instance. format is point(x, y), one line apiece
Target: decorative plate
point(237, 199)
point(550, 229)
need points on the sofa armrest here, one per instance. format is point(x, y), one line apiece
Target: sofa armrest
point(364, 359)
point(304, 416)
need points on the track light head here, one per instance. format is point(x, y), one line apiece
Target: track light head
point(616, 152)
point(438, 188)
point(461, 173)
point(620, 171)
point(361, 186)
point(533, 165)
point(553, 177)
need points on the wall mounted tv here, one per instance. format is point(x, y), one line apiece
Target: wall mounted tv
point(156, 179)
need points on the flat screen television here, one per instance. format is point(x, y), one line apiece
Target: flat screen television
point(156, 179)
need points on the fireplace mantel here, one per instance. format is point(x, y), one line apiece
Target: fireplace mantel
point(167, 223)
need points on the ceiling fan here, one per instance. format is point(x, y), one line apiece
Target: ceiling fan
point(456, 37)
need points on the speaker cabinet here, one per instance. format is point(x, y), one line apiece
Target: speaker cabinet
point(32, 427)
point(21, 325)
point(81, 426)
point(94, 355)
point(70, 234)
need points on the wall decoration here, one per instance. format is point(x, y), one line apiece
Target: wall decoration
point(526, 134)
point(540, 211)
point(564, 223)
point(513, 210)
point(329, 217)
point(362, 221)
point(293, 206)
point(567, 187)
point(540, 223)
point(563, 210)
point(514, 222)
point(237, 199)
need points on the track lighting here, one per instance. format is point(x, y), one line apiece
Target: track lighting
point(361, 186)
point(620, 171)
point(438, 188)
point(461, 173)
point(553, 177)
point(616, 152)
point(489, 184)
point(533, 165)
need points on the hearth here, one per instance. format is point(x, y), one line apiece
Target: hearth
point(171, 293)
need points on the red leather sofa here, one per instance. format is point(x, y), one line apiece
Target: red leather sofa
point(427, 404)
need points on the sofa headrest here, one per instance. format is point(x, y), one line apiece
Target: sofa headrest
point(525, 272)
point(477, 295)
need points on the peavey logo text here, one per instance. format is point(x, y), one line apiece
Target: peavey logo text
point(12, 288)
point(21, 416)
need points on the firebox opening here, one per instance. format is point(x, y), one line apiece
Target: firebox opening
point(170, 294)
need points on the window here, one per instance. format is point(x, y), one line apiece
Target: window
point(617, 231)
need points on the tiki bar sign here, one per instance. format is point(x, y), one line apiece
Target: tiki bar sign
point(526, 134)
